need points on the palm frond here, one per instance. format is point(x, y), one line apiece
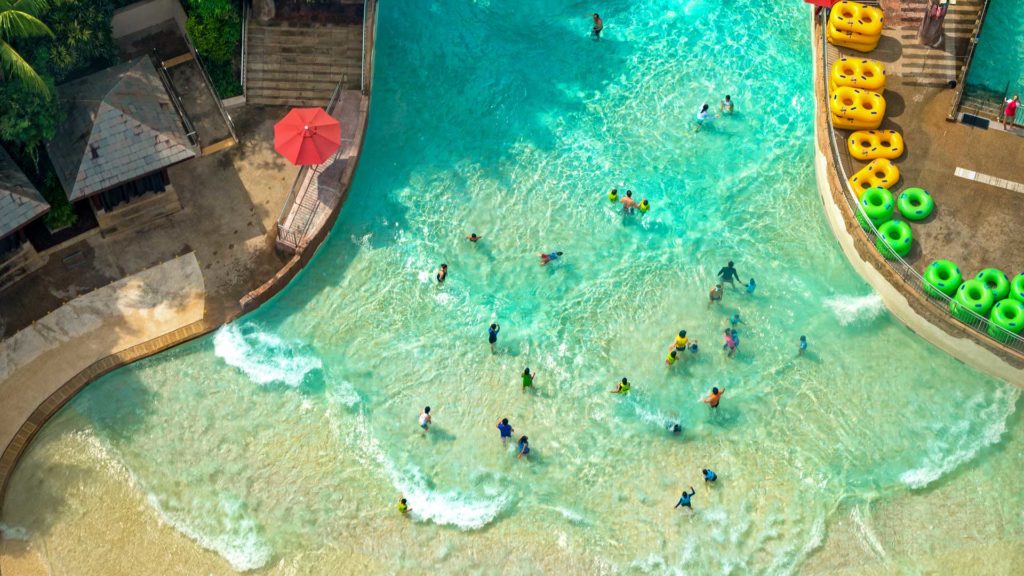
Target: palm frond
point(33, 7)
point(15, 67)
point(18, 24)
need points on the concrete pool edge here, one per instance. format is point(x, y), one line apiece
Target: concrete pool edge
point(904, 303)
point(63, 392)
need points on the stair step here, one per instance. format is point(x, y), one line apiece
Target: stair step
point(255, 68)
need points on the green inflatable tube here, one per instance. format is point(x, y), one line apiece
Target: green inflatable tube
point(972, 296)
point(915, 204)
point(1017, 288)
point(1006, 314)
point(996, 281)
point(942, 277)
point(878, 204)
point(900, 238)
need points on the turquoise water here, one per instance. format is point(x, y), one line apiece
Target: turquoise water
point(282, 443)
point(999, 57)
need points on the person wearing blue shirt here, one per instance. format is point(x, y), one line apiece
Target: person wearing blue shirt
point(684, 500)
point(505, 429)
point(751, 285)
point(803, 346)
point(492, 335)
point(709, 475)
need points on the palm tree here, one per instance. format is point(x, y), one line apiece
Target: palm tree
point(19, 19)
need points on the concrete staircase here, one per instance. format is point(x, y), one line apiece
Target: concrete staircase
point(292, 65)
point(925, 66)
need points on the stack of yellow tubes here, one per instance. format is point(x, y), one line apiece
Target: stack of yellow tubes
point(855, 26)
point(856, 109)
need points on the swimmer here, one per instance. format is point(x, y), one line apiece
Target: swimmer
point(728, 274)
point(702, 116)
point(425, 419)
point(726, 105)
point(751, 286)
point(730, 344)
point(613, 196)
point(715, 397)
point(709, 475)
point(528, 378)
point(524, 448)
point(675, 428)
point(473, 237)
point(403, 506)
point(492, 335)
point(545, 258)
point(671, 359)
point(803, 346)
point(644, 206)
point(595, 32)
point(505, 430)
point(442, 274)
point(628, 204)
point(680, 342)
point(684, 500)
point(715, 295)
point(622, 388)
point(735, 319)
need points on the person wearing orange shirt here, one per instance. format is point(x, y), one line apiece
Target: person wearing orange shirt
point(715, 397)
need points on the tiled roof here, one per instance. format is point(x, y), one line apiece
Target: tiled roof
point(120, 124)
point(20, 202)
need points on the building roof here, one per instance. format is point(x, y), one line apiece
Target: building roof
point(120, 124)
point(20, 202)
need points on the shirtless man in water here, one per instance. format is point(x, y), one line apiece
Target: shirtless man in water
point(628, 204)
point(595, 32)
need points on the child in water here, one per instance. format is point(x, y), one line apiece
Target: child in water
point(524, 448)
point(644, 206)
point(622, 388)
point(671, 359)
point(549, 257)
point(528, 378)
point(735, 319)
point(751, 285)
point(613, 196)
point(803, 346)
point(442, 274)
point(403, 506)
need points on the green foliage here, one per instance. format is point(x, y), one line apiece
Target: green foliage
point(225, 79)
point(216, 28)
point(61, 213)
point(82, 37)
point(28, 118)
point(19, 22)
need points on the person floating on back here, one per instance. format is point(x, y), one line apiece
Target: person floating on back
point(549, 257)
point(628, 204)
point(528, 378)
point(492, 335)
point(715, 295)
point(442, 274)
point(622, 388)
point(403, 506)
point(803, 346)
point(595, 32)
point(505, 430)
point(473, 237)
point(726, 106)
point(425, 419)
point(524, 448)
point(751, 286)
point(728, 274)
point(715, 397)
point(684, 500)
point(709, 476)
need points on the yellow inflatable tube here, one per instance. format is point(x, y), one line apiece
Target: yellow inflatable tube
point(857, 73)
point(872, 144)
point(839, 39)
point(846, 124)
point(881, 173)
point(863, 107)
point(849, 16)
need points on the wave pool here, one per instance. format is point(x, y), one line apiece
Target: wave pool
point(281, 443)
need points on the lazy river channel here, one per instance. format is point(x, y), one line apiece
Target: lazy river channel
point(281, 443)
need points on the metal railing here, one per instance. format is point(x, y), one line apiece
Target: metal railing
point(210, 85)
point(362, 57)
point(245, 42)
point(961, 80)
point(910, 277)
point(165, 78)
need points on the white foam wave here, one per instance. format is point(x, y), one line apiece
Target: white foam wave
point(450, 508)
point(263, 357)
point(343, 391)
point(940, 460)
point(852, 309)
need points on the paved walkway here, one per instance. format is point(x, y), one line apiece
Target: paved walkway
point(38, 360)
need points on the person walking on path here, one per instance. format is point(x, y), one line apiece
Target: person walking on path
point(684, 500)
point(595, 32)
point(715, 295)
point(442, 274)
point(728, 274)
point(1010, 111)
point(505, 430)
point(528, 378)
point(492, 335)
point(715, 397)
point(425, 419)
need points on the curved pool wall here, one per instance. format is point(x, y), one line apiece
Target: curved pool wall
point(281, 443)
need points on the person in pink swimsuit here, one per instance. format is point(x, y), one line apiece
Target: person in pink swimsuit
point(1010, 111)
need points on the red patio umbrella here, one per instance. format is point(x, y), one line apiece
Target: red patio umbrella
point(307, 136)
point(823, 3)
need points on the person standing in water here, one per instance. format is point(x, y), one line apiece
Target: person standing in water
point(730, 344)
point(644, 206)
point(595, 32)
point(751, 286)
point(671, 359)
point(703, 116)
point(715, 295)
point(728, 274)
point(492, 335)
point(613, 196)
point(735, 319)
point(425, 419)
point(726, 106)
point(709, 476)
point(803, 346)
point(628, 204)
point(403, 506)
point(715, 397)
point(524, 448)
point(528, 378)
point(442, 274)
point(549, 257)
point(473, 237)
point(505, 430)
point(622, 388)
point(684, 500)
